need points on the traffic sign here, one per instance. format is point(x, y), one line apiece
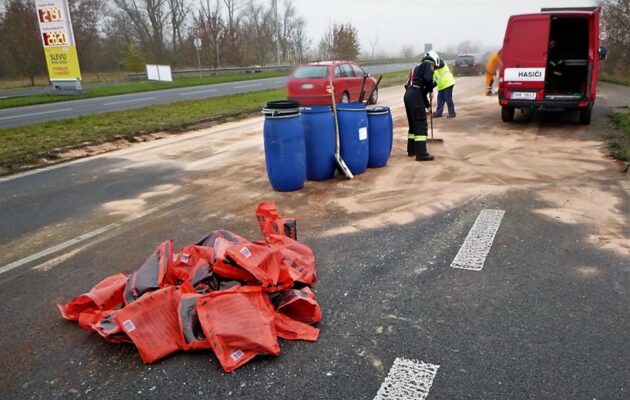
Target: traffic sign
point(197, 43)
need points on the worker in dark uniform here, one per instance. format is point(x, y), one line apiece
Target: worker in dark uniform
point(418, 87)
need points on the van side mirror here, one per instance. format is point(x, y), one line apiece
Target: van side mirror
point(602, 53)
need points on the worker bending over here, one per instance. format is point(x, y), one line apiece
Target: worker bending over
point(445, 85)
point(419, 85)
point(492, 67)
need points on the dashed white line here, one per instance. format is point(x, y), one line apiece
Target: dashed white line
point(248, 86)
point(35, 114)
point(198, 92)
point(472, 255)
point(113, 103)
point(89, 235)
point(407, 380)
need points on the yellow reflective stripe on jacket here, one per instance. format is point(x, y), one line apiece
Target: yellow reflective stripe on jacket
point(421, 138)
point(443, 77)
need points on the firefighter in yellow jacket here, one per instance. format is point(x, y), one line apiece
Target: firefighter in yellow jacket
point(492, 67)
point(445, 84)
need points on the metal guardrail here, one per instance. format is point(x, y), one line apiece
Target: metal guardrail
point(254, 69)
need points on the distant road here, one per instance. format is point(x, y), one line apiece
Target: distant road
point(19, 116)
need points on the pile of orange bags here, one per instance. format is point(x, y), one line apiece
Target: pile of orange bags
point(223, 293)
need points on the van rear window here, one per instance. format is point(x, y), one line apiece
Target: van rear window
point(311, 71)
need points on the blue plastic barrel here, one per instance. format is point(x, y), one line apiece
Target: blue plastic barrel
point(285, 153)
point(353, 136)
point(321, 143)
point(380, 135)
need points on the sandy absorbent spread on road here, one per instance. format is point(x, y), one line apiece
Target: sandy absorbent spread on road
point(558, 162)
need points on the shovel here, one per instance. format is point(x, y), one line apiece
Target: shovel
point(374, 89)
point(432, 139)
point(340, 163)
point(362, 91)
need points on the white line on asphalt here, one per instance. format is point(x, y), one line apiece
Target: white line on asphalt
point(407, 380)
point(248, 86)
point(198, 92)
point(34, 114)
point(472, 255)
point(91, 234)
point(113, 103)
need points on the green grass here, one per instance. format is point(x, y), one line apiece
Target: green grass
point(135, 87)
point(20, 146)
point(619, 80)
point(621, 146)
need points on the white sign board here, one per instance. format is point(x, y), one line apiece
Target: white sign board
point(159, 73)
point(197, 43)
point(524, 74)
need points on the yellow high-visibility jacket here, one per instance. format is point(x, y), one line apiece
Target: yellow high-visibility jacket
point(443, 77)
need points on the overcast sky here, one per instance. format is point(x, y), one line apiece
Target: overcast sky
point(398, 23)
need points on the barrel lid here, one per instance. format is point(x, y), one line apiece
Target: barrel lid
point(282, 104)
point(378, 110)
point(351, 107)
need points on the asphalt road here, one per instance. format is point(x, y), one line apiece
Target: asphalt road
point(546, 318)
point(12, 117)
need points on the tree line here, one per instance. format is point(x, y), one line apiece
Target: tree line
point(124, 35)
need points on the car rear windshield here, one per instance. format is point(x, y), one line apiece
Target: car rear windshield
point(311, 71)
point(466, 59)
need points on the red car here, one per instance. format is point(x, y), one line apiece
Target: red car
point(309, 83)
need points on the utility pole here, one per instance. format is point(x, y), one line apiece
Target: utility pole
point(275, 8)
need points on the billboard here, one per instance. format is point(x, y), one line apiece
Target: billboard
point(58, 39)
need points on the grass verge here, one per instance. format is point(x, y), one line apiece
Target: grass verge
point(135, 87)
point(621, 146)
point(21, 146)
point(619, 80)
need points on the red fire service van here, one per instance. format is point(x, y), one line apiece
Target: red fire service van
point(551, 62)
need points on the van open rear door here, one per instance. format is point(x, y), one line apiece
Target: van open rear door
point(524, 57)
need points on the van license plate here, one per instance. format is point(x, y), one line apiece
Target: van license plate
point(523, 95)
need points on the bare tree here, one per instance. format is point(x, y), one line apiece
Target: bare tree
point(407, 51)
point(87, 26)
point(178, 11)
point(261, 28)
point(616, 16)
point(209, 23)
point(373, 43)
point(21, 40)
point(148, 20)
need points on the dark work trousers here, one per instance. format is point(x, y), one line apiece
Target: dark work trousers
point(416, 113)
point(445, 96)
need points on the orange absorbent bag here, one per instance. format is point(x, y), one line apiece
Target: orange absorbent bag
point(264, 263)
point(270, 222)
point(239, 324)
point(150, 275)
point(107, 294)
point(192, 335)
point(152, 323)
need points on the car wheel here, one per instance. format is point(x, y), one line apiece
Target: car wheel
point(374, 98)
point(345, 97)
point(507, 114)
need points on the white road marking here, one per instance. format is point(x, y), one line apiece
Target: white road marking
point(407, 380)
point(198, 92)
point(248, 86)
point(113, 103)
point(91, 234)
point(35, 114)
point(472, 255)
